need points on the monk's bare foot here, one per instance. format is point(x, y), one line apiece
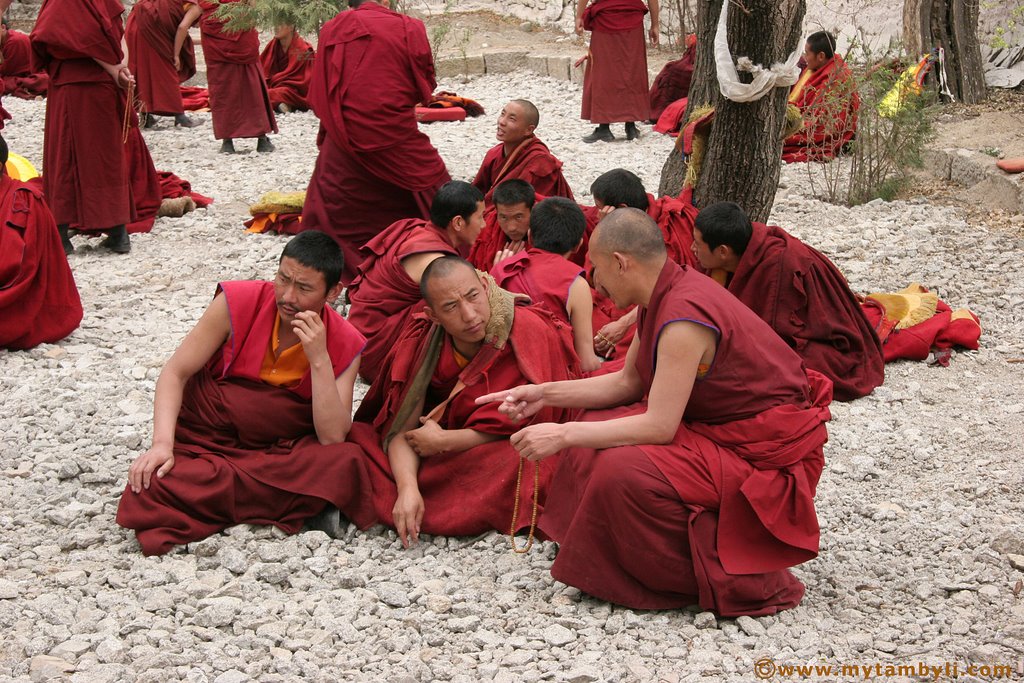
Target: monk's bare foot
point(264, 144)
point(117, 240)
point(602, 133)
point(227, 147)
point(185, 121)
point(283, 108)
point(65, 241)
point(632, 133)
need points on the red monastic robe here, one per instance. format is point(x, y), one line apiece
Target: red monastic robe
point(531, 161)
point(39, 301)
point(541, 275)
point(615, 80)
point(828, 103)
point(92, 177)
point(473, 491)
point(233, 465)
point(20, 79)
point(239, 102)
point(375, 167)
point(492, 239)
point(726, 506)
point(149, 33)
point(383, 296)
point(673, 82)
point(807, 301)
point(288, 73)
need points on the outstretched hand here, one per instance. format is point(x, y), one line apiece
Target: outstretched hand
point(519, 403)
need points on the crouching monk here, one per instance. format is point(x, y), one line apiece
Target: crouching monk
point(252, 411)
point(711, 460)
point(442, 464)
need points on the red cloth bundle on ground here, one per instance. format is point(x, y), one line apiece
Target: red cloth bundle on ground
point(194, 98)
point(913, 322)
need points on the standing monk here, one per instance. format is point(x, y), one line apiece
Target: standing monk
point(375, 167)
point(239, 102)
point(615, 82)
point(710, 461)
point(160, 64)
point(287, 63)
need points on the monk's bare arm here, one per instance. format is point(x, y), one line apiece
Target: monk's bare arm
point(191, 15)
point(417, 263)
point(405, 466)
point(581, 316)
point(196, 349)
point(581, 5)
point(655, 32)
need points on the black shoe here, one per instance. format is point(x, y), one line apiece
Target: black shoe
point(632, 132)
point(228, 146)
point(601, 133)
point(184, 121)
point(65, 241)
point(328, 521)
point(264, 144)
point(117, 240)
point(148, 121)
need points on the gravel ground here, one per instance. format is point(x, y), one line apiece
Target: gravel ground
point(920, 503)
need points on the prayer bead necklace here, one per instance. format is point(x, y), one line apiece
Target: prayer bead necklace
point(515, 508)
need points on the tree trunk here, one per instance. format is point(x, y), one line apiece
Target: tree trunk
point(744, 147)
point(953, 26)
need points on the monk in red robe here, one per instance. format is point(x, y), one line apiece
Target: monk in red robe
point(20, 79)
point(520, 154)
point(39, 301)
point(261, 350)
point(387, 290)
point(673, 81)
point(287, 63)
point(441, 463)
point(159, 61)
point(826, 95)
point(506, 224)
point(94, 167)
point(239, 101)
point(795, 289)
point(615, 80)
point(699, 487)
point(375, 167)
point(544, 272)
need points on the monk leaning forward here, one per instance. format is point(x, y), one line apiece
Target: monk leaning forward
point(442, 464)
point(287, 63)
point(252, 411)
point(700, 487)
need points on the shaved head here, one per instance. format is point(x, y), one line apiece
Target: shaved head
point(629, 231)
point(441, 268)
point(530, 112)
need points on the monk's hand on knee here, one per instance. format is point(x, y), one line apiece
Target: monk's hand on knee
point(408, 515)
point(428, 439)
point(517, 404)
point(313, 335)
point(537, 442)
point(156, 461)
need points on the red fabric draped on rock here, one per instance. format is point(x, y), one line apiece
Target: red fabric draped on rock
point(673, 82)
point(39, 301)
point(288, 73)
point(531, 161)
point(383, 296)
point(172, 187)
point(20, 79)
point(375, 167)
point(807, 301)
point(615, 81)
point(149, 33)
point(828, 102)
point(728, 504)
point(541, 275)
point(239, 102)
point(234, 466)
point(473, 491)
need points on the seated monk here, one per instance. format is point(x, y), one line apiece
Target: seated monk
point(287, 62)
point(673, 81)
point(544, 272)
point(520, 154)
point(20, 79)
point(39, 301)
point(446, 466)
point(703, 451)
point(252, 411)
point(387, 289)
point(506, 224)
point(826, 96)
point(797, 291)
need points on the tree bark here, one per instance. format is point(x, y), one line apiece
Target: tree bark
point(953, 26)
point(743, 158)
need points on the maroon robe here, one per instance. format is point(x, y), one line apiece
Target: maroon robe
point(727, 505)
point(807, 301)
point(149, 33)
point(531, 161)
point(233, 465)
point(615, 80)
point(20, 79)
point(39, 301)
point(828, 103)
point(375, 167)
point(541, 275)
point(492, 239)
point(239, 102)
point(288, 73)
point(383, 296)
point(673, 81)
point(473, 491)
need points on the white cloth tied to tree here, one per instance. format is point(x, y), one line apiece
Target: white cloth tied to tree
point(778, 76)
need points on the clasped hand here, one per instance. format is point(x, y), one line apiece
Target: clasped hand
point(521, 403)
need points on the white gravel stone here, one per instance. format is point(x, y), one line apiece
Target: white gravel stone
point(557, 635)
